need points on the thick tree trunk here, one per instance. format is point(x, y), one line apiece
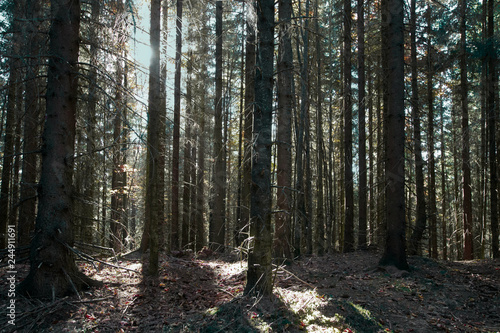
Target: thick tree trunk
point(395, 247)
point(259, 274)
point(53, 270)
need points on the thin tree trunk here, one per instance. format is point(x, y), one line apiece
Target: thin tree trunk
point(492, 98)
point(282, 236)
point(363, 204)
point(430, 137)
point(217, 223)
point(347, 108)
point(175, 223)
point(466, 168)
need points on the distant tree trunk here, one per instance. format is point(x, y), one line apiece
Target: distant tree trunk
point(187, 231)
point(32, 121)
point(200, 177)
point(302, 223)
point(444, 218)
point(363, 204)
point(282, 235)
point(155, 160)
point(320, 211)
point(395, 247)
point(259, 274)
point(217, 223)
point(347, 108)
point(466, 168)
point(119, 176)
point(175, 223)
point(10, 124)
point(430, 137)
point(250, 56)
point(53, 271)
point(421, 213)
point(492, 99)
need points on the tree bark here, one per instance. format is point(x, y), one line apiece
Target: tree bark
point(282, 235)
point(217, 223)
point(395, 247)
point(363, 203)
point(175, 223)
point(53, 271)
point(259, 274)
point(347, 108)
point(466, 168)
point(492, 99)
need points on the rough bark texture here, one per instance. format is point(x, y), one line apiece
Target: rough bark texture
point(259, 274)
point(395, 247)
point(218, 218)
point(363, 189)
point(155, 162)
point(492, 99)
point(176, 229)
point(421, 212)
point(348, 175)
point(53, 270)
point(248, 123)
point(466, 168)
point(282, 236)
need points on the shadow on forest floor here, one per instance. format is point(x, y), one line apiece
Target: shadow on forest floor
point(334, 293)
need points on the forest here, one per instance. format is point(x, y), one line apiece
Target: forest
point(249, 166)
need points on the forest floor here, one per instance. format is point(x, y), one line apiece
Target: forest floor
point(334, 293)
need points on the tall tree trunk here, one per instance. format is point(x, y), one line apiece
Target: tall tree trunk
point(363, 204)
point(31, 130)
point(347, 108)
point(53, 271)
point(466, 168)
point(421, 213)
point(430, 137)
point(155, 151)
point(10, 124)
point(217, 223)
point(320, 211)
point(395, 247)
point(282, 235)
point(175, 223)
point(259, 274)
point(444, 218)
point(250, 56)
point(492, 99)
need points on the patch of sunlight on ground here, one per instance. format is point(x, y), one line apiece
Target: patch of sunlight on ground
point(307, 304)
point(227, 270)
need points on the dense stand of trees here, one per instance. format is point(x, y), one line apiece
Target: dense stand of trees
point(373, 126)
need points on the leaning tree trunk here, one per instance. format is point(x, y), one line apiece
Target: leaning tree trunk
point(53, 270)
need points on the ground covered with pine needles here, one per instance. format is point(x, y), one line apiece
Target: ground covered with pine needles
point(333, 293)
